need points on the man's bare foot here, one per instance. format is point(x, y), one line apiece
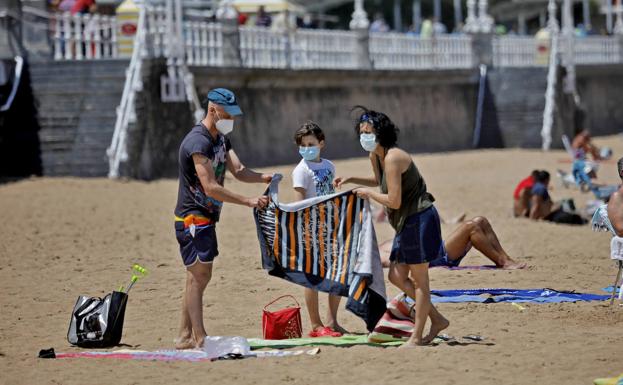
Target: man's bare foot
point(199, 342)
point(184, 343)
point(436, 326)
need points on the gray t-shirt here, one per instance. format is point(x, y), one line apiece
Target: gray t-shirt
point(191, 198)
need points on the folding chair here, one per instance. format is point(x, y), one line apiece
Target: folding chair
point(616, 253)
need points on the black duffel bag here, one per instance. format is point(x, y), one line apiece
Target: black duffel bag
point(97, 322)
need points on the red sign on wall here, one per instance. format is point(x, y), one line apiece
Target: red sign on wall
point(128, 29)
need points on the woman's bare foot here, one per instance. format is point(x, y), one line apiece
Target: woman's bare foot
point(413, 343)
point(436, 326)
point(338, 328)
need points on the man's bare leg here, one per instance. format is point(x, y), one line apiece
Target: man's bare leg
point(184, 339)
point(480, 234)
point(399, 276)
point(200, 274)
point(311, 300)
point(334, 305)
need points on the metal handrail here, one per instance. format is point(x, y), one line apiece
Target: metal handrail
point(550, 94)
point(117, 152)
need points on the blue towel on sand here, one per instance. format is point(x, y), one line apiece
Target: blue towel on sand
point(511, 295)
point(610, 288)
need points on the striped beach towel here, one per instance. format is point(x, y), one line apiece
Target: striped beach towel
point(325, 243)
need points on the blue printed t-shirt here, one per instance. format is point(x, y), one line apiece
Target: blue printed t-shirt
point(315, 177)
point(191, 199)
point(539, 189)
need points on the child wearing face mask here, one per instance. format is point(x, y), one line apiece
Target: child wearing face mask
point(313, 177)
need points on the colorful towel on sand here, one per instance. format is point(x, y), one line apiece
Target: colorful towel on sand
point(511, 295)
point(609, 381)
point(468, 267)
point(344, 341)
point(178, 355)
point(326, 243)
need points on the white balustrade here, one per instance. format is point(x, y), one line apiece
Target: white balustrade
point(263, 47)
point(597, 50)
point(516, 51)
point(399, 51)
point(80, 37)
point(92, 37)
point(323, 49)
point(520, 51)
point(204, 43)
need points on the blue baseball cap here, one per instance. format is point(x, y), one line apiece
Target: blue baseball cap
point(226, 99)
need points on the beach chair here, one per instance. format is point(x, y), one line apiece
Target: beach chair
point(601, 222)
point(616, 253)
point(567, 144)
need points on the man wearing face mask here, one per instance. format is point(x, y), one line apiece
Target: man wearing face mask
point(204, 156)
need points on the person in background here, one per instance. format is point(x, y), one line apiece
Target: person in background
point(263, 18)
point(379, 24)
point(522, 195)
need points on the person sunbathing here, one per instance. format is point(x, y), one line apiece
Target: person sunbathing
point(543, 208)
point(582, 142)
point(522, 195)
point(476, 232)
point(615, 205)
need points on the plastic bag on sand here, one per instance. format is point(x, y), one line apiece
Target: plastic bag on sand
point(218, 346)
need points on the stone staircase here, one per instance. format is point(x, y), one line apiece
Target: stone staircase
point(519, 99)
point(77, 104)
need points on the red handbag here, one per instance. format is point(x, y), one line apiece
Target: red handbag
point(282, 324)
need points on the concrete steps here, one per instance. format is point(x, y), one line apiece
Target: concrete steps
point(519, 98)
point(77, 104)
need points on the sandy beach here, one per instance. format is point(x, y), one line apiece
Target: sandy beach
point(62, 237)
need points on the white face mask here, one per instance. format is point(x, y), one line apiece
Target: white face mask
point(368, 142)
point(224, 126)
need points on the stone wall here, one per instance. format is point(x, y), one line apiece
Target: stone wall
point(601, 92)
point(434, 111)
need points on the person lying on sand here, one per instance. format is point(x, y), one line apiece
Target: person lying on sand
point(476, 232)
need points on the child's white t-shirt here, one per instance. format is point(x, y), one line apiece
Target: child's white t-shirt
point(315, 177)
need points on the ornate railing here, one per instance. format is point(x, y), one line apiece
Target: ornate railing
point(323, 49)
point(520, 51)
point(515, 51)
point(263, 48)
point(597, 50)
point(78, 37)
point(399, 51)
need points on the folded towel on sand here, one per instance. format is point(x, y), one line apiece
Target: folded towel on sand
point(326, 243)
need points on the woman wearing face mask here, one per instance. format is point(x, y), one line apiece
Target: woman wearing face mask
point(410, 212)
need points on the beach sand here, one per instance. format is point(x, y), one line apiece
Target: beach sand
point(62, 237)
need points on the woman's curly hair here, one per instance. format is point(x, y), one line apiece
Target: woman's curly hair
point(385, 130)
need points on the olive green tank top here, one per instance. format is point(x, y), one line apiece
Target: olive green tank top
point(415, 198)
